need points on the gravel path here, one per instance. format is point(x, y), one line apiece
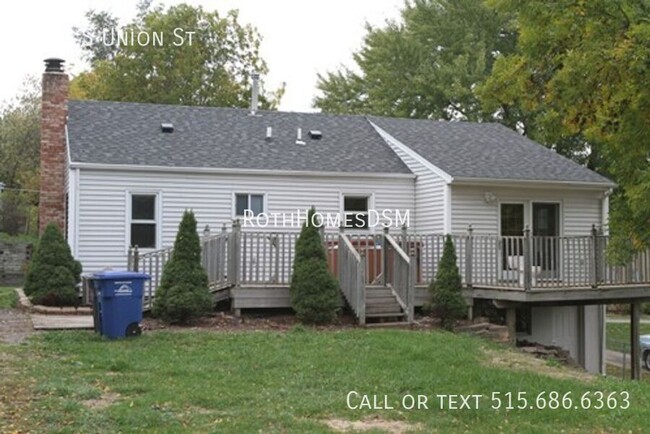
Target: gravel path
point(15, 326)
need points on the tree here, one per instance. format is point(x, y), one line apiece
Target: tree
point(425, 66)
point(314, 291)
point(19, 160)
point(581, 68)
point(212, 70)
point(448, 303)
point(53, 273)
point(183, 294)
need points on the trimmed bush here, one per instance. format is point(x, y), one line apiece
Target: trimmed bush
point(53, 273)
point(183, 293)
point(448, 302)
point(314, 291)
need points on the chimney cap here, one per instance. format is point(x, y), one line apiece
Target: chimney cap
point(54, 64)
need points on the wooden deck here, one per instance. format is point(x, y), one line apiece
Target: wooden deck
point(253, 269)
point(62, 322)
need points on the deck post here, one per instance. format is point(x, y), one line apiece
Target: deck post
point(511, 323)
point(635, 353)
point(594, 257)
point(129, 259)
point(469, 252)
point(235, 252)
point(339, 255)
point(205, 250)
point(136, 259)
point(410, 291)
point(404, 245)
point(361, 285)
point(384, 258)
point(528, 275)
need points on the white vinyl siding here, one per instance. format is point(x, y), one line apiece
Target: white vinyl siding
point(103, 198)
point(429, 195)
point(579, 209)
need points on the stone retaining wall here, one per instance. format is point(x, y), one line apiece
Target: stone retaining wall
point(14, 258)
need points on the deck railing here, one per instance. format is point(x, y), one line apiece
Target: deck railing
point(541, 262)
point(215, 258)
point(399, 273)
point(151, 263)
point(352, 276)
point(519, 263)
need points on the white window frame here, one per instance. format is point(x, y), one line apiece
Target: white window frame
point(249, 194)
point(157, 220)
point(370, 196)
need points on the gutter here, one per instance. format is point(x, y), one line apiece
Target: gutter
point(233, 171)
point(508, 182)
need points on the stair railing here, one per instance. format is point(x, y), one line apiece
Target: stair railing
point(352, 276)
point(399, 274)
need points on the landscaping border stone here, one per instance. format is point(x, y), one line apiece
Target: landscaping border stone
point(25, 303)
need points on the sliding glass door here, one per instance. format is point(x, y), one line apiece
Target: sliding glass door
point(512, 229)
point(546, 230)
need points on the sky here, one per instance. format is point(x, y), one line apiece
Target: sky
point(300, 38)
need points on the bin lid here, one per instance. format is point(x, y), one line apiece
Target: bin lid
point(120, 275)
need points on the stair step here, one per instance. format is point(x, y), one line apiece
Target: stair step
point(384, 315)
point(384, 308)
point(392, 324)
point(379, 293)
point(380, 300)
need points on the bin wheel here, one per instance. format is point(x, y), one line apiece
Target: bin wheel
point(133, 330)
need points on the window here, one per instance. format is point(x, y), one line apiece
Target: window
point(144, 221)
point(355, 210)
point(252, 202)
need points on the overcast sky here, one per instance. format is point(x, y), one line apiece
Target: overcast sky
point(300, 37)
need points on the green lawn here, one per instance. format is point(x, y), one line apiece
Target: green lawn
point(21, 238)
point(618, 335)
point(8, 298)
point(246, 382)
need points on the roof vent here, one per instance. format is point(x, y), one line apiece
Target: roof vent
point(299, 140)
point(315, 134)
point(167, 127)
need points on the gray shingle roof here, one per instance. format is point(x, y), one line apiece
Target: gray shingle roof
point(484, 150)
point(130, 133)
point(208, 137)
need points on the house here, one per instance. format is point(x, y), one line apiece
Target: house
point(529, 225)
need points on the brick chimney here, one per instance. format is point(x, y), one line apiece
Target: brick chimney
point(54, 159)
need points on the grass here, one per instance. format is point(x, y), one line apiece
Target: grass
point(618, 335)
point(200, 381)
point(8, 298)
point(20, 238)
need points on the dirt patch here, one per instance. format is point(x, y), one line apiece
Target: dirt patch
point(104, 401)
point(269, 320)
point(223, 321)
point(518, 361)
point(15, 326)
point(371, 424)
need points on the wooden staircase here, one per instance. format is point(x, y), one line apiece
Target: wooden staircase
point(382, 306)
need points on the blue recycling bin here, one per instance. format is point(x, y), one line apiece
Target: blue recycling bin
point(118, 303)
